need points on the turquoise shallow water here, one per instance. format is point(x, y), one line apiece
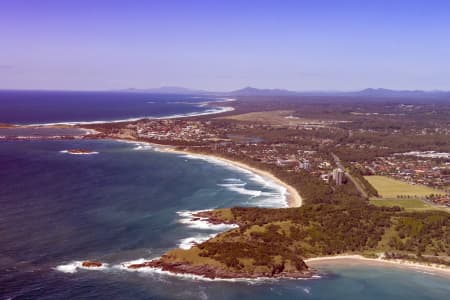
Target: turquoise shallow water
point(123, 204)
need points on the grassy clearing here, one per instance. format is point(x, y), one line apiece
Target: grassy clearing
point(276, 117)
point(391, 188)
point(405, 203)
point(224, 214)
point(409, 204)
point(383, 245)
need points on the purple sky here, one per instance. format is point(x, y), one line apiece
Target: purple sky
point(224, 45)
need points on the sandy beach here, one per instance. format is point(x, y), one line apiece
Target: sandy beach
point(349, 260)
point(295, 200)
point(293, 197)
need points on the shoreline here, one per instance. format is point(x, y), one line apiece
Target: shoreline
point(361, 260)
point(209, 111)
point(73, 267)
point(293, 198)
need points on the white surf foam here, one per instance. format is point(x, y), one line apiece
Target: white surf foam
point(189, 242)
point(144, 146)
point(73, 267)
point(71, 153)
point(236, 180)
point(211, 111)
point(239, 188)
point(159, 271)
point(187, 218)
point(275, 199)
point(124, 265)
point(69, 268)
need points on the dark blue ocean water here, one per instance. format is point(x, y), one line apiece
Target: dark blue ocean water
point(42, 107)
point(127, 203)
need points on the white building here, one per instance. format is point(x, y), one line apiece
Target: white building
point(338, 176)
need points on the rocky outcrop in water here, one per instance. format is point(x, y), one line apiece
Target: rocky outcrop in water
point(219, 273)
point(91, 264)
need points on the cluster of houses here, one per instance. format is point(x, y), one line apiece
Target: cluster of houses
point(440, 199)
point(281, 154)
point(287, 156)
point(426, 168)
point(174, 130)
point(221, 139)
point(413, 169)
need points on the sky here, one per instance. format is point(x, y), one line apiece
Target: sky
point(224, 45)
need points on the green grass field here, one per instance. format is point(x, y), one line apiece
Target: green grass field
point(391, 188)
point(405, 203)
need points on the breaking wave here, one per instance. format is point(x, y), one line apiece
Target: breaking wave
point(73, 267)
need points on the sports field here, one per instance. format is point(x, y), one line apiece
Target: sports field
point(391, 188)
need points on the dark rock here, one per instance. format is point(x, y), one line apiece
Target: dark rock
point(91, 264)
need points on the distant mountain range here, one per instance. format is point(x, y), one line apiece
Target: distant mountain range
point(251, 91)
point(399, 93)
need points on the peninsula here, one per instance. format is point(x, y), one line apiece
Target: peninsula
point(323, 161)
point(370, 183)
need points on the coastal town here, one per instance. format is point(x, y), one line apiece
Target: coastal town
point(198, 150)
point(347, 174)
point(416, 168)
point(295, 149)
point(208, 136)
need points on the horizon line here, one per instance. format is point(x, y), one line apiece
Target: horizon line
point(129, 89)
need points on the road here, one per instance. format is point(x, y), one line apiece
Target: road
point(356, 182)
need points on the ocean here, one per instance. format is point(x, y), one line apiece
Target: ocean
point(131, 201)
point(49, 107)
